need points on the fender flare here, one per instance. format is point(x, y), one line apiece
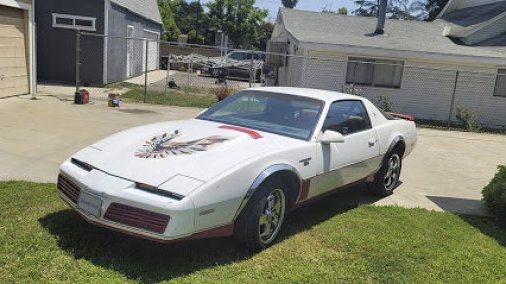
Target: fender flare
point(264, 175)
point(394, 143)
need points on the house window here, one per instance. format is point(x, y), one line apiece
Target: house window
point(500, 83)
point(374, 72)
point(74, 22)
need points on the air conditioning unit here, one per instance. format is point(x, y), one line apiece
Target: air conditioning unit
point(275, 53)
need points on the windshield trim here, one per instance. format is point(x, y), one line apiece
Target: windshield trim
point(309, 138)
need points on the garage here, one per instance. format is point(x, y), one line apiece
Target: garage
point(14, 66)
point(153, 38)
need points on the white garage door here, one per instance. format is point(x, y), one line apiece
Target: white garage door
point(13, 64)
point(153, 52)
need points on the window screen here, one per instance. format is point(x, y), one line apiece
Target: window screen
point(374, 72)
point(500, 83)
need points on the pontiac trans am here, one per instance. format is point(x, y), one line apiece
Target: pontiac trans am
point(238, 168)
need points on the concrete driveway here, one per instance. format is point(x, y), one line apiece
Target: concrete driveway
point(447, 170)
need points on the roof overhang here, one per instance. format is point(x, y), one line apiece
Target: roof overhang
point(407, 54)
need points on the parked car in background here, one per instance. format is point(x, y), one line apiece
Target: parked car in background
point(239, 168)
point(237, 64)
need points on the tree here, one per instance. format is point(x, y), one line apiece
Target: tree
point(171, 29)
point(264, 35)
point(185, 15)
point(396, 9)
point(342, 11)
point(289, 3)
point(433, 8)
point(239, 19)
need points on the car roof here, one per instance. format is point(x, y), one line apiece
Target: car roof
point(324, 95)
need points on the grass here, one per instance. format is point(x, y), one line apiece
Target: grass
point(186, 96)
point(41, 240)
point(173, 98)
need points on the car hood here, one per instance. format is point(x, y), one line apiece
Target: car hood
point(194, 148)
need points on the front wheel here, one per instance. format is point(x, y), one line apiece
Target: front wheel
point(260, 223)
point(387, 178)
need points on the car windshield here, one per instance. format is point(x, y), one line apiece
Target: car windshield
point(287, 115)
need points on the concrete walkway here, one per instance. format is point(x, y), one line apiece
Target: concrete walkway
point(447, 170)
point(38, 135)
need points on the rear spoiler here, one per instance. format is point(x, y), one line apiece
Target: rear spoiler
point(402, 116)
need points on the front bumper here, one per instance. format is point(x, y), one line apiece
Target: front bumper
point(117, 204)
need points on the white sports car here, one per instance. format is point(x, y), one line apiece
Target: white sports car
point(238, 168)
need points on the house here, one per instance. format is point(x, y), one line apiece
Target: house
point(113, 52)
point(17, 60)
point(413, 63)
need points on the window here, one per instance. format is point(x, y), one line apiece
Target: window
point(500, 83)
point(374, 72)
point(347, 117)
point(282, 114)
point(74, 22)
point(238, 56)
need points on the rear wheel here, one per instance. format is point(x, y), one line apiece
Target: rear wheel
point(259, 224)
point(387, 178)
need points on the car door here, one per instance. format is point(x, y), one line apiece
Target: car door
point(357, 157)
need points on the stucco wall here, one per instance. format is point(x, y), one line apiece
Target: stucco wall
point(426, 89)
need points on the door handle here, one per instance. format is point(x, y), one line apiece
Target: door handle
point(372, 142)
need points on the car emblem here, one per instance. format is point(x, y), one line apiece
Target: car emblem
point(163, 146)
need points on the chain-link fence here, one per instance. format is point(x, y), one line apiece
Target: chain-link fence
point(151, 71)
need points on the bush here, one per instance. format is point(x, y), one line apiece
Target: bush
point(467, 119)
point(494, 194)
point(385, 104)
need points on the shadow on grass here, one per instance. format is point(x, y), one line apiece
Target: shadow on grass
point(490, 226)
point(475, 213)
point(153, 262)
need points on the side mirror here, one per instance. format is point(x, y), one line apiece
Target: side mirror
point(330, 136)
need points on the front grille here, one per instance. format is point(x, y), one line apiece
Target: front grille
point(68, 188)
point(136, 217)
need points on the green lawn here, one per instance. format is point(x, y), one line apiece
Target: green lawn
point(173, 98)
point(41, 240)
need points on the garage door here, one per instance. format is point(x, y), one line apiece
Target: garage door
point(13, 64)
point(152, 49)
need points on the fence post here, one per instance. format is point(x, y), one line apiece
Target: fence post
point(78, 60)
point(168, 74)
point(146, 71)
point(188, 71)
point(453, 99)
point(251, 69)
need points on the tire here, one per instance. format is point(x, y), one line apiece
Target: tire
point(387, 178)
point(259, 225)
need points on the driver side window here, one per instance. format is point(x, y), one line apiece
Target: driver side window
point(347, 117)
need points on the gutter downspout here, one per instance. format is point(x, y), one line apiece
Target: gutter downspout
point(107, 5)
point(32, 33)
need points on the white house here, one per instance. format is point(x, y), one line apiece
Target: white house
point(414, 63)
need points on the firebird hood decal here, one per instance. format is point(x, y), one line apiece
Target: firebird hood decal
point(163, 146)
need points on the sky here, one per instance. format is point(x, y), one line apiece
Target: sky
point(310, 5)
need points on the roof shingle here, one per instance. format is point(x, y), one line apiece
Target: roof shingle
point(418, 36)
point(145, 8)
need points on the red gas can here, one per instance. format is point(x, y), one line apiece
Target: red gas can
point(86, 96)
